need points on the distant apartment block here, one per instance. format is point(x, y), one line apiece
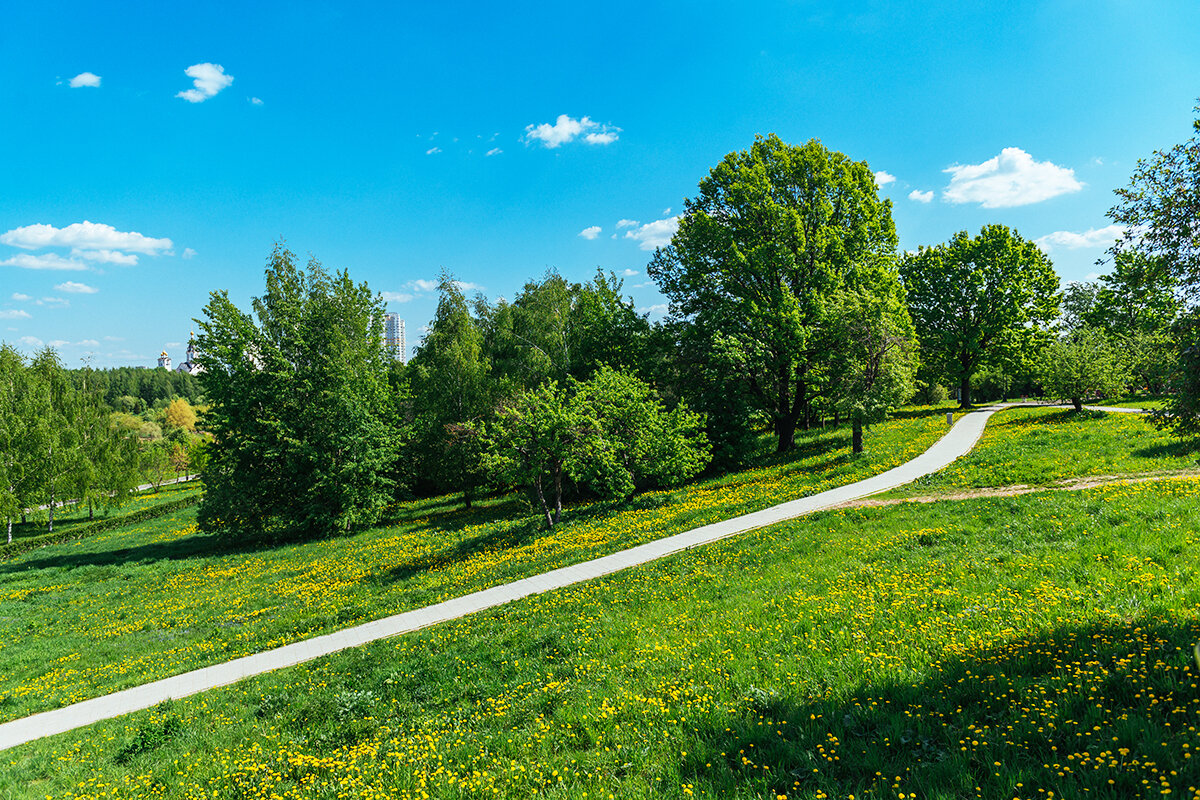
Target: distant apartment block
point(393, 337)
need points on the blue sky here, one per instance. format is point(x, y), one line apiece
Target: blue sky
point(495, 139)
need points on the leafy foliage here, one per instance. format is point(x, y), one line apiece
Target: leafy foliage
point(1086, 363)
point(980, 301)
point(303, 440)
point(761, 253)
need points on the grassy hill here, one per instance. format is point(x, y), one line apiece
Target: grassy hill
point(999, 648)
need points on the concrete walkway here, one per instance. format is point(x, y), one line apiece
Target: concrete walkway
point(957, 442)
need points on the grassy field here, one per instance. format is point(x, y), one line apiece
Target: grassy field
point(73, 516)
point(1039, 446)
point(1028, 647)
point(124, 607)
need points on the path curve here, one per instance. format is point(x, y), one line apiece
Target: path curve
point(958, 441)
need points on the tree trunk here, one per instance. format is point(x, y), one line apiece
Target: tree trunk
point(1078, 403)
point(91, 513)
point(537, 486)
point(51, 512)
point(557, 492)
point(10, 530)
point(964, 392)
point(856, 436)
point(785, 429)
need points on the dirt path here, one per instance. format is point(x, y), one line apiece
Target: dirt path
point(1067, 485)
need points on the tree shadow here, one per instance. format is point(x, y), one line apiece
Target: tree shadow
point(1181, 448)
point(1100, 710)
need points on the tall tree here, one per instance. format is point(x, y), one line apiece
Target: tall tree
point(775, 233)
point(980, 301)
point(452, 391)
point(303, 437)
point(1159, 210)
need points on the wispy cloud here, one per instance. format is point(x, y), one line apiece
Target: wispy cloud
point(255, 101)
point(396, 297)
point(884, 178)
point(71, 287)
point(1010, 179)
point(85, 79)
point(207, 80)
point(495, 151)
point(655, 234)
point(43, 261)
point(16, 313)
point(590, 232)
point(566, 129)
point(658, 309)
point(628, 223)
point(1069, 240)
point(433, 151)
point(629, 273)
point(21, 298)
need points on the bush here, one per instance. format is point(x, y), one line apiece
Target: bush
point(990, 384)
point(930, 394)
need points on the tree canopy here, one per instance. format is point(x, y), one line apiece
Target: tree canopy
point(760, 256)
point(980, 301)
point(300, 414)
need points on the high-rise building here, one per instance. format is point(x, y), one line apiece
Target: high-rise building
point(393, 336)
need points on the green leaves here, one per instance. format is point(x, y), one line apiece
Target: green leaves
point(303, 429)
point(978, 301)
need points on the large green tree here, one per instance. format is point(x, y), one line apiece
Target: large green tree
point(980, 301)
point(1160, 210)
point(1085, 363)
point(303, 437)
point(451, 393)
point(775, 233)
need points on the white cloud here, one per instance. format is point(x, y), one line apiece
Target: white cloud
point(495, 151)
point(254, 101)
point(654, 234)
point(105, 256)
point(667, 211)
point(657, 308)
point(1010, 179)
point(607, 137)
point(884, 178)
point(71, 287)
point(15, 314)
point(57, 342)
point(566, 129)
point(208, 79)
point(628, 223)
point(114, 338)
point(43, 261)
point(433, 150)
point(629, 273)
point(396, 297)
point(189, 252)
point(1069, 240)
point(86, 79)
point(21, 298)
point(54, 302)
point(32, 341)
point(422, 285)
point(921, 197)
point(88, 343)
point(590, 232)
point(467, 286)
point(84, 236)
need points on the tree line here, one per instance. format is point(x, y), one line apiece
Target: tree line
point(790, 307)
point(57, 440)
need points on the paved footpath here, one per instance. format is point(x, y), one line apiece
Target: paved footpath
point(957, 442)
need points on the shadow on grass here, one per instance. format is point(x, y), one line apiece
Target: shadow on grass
point(1177, 449)
point(1092, 711)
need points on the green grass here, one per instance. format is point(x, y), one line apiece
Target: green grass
point(1039, 446)
point(125, 607)
point(1013, 647)
point(73, 516)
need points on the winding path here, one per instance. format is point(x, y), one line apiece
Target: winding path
point(958, 441)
